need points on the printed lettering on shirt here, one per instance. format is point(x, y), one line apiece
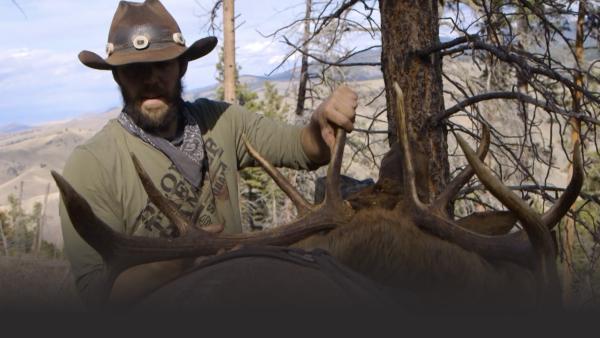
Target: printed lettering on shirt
point(218, 170)
point(197, 205)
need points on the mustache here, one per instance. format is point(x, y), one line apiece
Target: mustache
point(153, 93)
point(156, 90)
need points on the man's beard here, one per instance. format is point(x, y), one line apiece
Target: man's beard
point(158, 118)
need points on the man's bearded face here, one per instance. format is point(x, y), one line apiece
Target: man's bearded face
point(151, 93)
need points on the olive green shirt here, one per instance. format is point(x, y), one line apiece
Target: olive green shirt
point(102, 171)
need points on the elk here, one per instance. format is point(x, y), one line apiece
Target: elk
point(417, 252)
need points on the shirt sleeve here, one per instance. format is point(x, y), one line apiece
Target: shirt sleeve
point(86, 174)
point(278, 142)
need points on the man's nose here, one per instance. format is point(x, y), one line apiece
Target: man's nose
point(149, 74)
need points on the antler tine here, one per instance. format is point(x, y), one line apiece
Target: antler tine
point(538, 233)
point(534, 227)
point(409, 171)
point(166, 206)
point(122, 251)
point(566, 200)
point(333, 195)
point(302, 205)
point(461, 179)
point(92, 229)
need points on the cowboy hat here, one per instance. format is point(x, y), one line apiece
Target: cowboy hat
point(145, 32)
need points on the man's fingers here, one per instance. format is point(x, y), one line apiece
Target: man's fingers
point(339, 110)
point(346, 108)
point(328, 136)
point(340, 119)
point(237, 247)
point(346, 94)
point(214, 228)
point(347, 91)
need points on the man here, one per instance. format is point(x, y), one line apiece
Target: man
point(191, 150)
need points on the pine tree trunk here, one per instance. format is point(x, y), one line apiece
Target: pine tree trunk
point(229, 51)
point(304, 62)
point(409, 25)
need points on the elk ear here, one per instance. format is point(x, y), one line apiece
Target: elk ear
point(491, 223)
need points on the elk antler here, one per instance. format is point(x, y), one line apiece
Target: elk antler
point(333, 204)
point(536, 226)
point(121, 251)
point(453, 188)
point(301, 204)
point(167, 207)
point(535, 248)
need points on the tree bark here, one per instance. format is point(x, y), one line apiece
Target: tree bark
point(304, 62)
point(569, 237)
point(407, 26)
point(229, 51)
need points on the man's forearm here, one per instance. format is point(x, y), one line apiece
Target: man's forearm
point(136, 282)
point(313, 144)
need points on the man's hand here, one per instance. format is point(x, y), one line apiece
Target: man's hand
point(136, 282)
point(338, 110)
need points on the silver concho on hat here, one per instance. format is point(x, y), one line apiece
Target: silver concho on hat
point(110, 48)
point(141, 42)
point(178, 38)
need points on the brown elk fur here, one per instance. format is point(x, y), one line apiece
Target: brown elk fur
point(383, 243)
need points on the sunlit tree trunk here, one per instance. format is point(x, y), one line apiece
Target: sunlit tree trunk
point(229, 51)
point(569, 237)
point(304, 62)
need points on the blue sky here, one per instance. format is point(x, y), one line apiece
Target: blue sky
point(42, 80)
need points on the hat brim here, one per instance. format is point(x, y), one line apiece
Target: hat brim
point(195, 51)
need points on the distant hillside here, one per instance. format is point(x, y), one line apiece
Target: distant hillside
point(28, 156)
point(351, 74)
point(13, 128)
point(359, 73)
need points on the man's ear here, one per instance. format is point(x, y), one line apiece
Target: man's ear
point(183, 65)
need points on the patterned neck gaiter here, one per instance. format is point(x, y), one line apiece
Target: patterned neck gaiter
point(187, 152)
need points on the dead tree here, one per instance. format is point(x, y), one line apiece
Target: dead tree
point(229, 65)
point(304, 62)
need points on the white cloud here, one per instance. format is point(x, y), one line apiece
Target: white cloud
point(28, 67)
point(41, 77)
point(256, 46)
point(276, 59)
point(41, 84)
